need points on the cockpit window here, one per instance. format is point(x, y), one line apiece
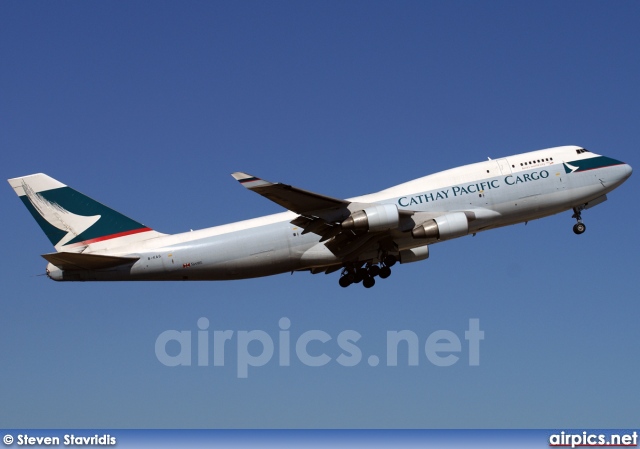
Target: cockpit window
point(582, 150)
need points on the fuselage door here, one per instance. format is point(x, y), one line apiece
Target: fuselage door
point(171, 261)
point(505, 168)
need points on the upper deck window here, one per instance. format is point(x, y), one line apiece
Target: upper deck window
point(537, 161)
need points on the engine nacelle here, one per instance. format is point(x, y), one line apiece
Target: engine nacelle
point(414, 254)
point(445, 227)
point(375, 218)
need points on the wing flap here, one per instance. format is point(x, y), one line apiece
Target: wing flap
point(75, 261)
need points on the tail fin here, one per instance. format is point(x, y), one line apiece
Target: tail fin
point(71, 220)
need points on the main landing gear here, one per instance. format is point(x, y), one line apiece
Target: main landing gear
point(367, 274)
point(579, 227)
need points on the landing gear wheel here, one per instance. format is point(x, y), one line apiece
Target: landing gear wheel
point(385, 272)
point(368, 282)
point(579, 227)
point(374, 270)
point(390, 260)
point(345, 281)
point(359, 275)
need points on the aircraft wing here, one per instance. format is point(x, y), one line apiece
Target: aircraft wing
point(319, 214)
point(292, 198)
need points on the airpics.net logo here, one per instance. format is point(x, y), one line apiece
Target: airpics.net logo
point(256, 348)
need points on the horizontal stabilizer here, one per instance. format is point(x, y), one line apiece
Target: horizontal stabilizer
point(75, 261)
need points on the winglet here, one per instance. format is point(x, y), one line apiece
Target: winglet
point(249, 181)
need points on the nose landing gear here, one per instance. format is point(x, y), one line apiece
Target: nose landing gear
point(579, 227)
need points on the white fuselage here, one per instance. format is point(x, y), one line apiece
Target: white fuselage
point(496, 193)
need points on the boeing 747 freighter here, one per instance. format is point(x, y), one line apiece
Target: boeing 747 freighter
point(362, 237)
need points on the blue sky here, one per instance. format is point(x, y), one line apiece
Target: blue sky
point(149, 106)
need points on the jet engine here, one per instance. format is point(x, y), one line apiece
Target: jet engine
point(375, 218)
point(445, 227)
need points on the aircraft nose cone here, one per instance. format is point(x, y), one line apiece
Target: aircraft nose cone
point(622, 174)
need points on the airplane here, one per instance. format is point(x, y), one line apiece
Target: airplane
point(362, 237)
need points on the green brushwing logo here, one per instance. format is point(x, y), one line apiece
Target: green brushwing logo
point(68, 217)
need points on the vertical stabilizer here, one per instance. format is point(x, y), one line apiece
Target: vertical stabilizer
point(71, 220)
